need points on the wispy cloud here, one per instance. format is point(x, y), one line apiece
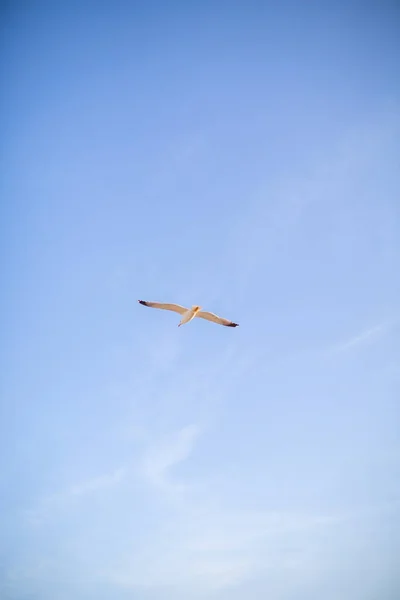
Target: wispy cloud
point(279, 208)
point(47, 505)
point(201, 544)
point(97, 483)
point(215, 549)
point(364, 337)
point(160, 459)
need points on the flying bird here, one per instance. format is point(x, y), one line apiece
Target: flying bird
point(190, 313)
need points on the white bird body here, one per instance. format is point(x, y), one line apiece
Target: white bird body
point(190, 313)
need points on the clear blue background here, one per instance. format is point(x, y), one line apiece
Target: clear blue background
point(243, 156)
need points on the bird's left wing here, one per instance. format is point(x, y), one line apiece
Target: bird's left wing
point(174, 307)
point(216, 319)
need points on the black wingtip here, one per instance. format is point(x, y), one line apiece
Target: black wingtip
point(142, 302)
point(233, 325)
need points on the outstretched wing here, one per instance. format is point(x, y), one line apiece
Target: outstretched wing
point(216, 319)
point(174, 307)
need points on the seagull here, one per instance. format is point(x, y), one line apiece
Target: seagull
point(190, 313)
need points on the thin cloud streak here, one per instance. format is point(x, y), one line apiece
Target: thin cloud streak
point(98, 483)
point(164, 455)
point(366, 336)
point(217, 549)
point(53, 502)
point(278, 209)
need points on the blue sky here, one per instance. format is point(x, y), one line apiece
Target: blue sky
point(240, 156)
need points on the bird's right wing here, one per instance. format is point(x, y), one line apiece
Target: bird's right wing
point(174, 307)
point(215, 319)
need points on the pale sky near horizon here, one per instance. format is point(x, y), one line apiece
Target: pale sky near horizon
point(243, 156)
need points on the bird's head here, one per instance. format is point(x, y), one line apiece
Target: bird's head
point(196, 309)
